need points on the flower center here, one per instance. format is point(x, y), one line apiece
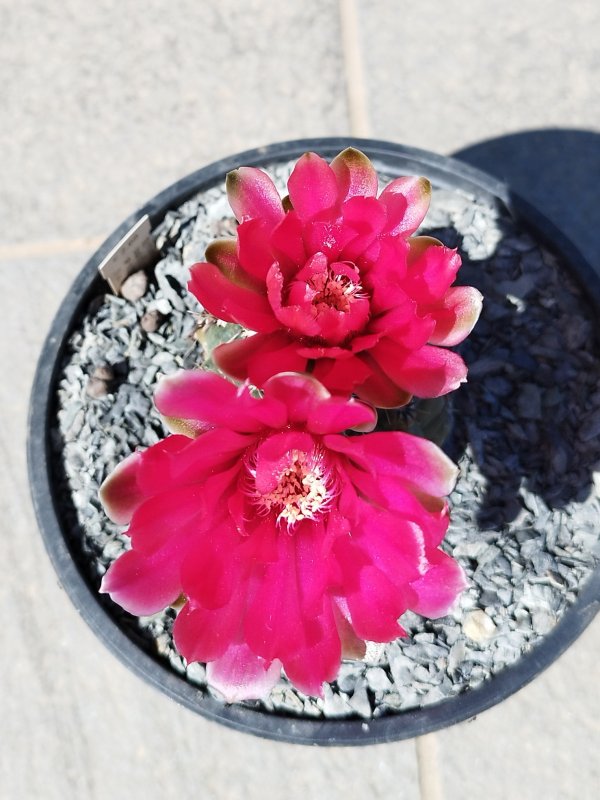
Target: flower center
point(333, 290)
point(302, 491)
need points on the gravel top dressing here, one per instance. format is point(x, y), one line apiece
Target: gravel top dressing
point(526, 434)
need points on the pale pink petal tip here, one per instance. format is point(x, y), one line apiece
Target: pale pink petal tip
point(417, 194)
point(253, 195)
point(355, 174)
point(464, 304)
point(119, 494)
point(143, 585)
point(438, 473)
point(239, 674)
point(439, 588)
point(468, 309)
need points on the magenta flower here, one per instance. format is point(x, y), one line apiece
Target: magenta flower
point(291, 543)
point(331, 282)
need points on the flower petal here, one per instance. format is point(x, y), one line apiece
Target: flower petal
point(273, 625)
point(384, 278)
point(273, 456)
point(143, 584)
point(438, 589)
point(326, 237)
point(392, 492)
point(259, 357)
point(378, 388)
point(212, 569)
point(429, 513)
point(339, 415)
point(288, 244)
point(376, 607)
point(189, 428)
point(352, 646)
point(406, 327)
point(339, 375)
point(253, 195)
point(457, 315)
point(209, 457)
point(355, 174)
point(366, 216)
point(308, 402)
point(432, 268)
point(318, 658)
point(129, 484)
point(204, 396)
point(312, 186)
point(394, 545)
point(223, 254)
point(120, 494)
point(407, 202)
point(309, 648)
point(187, 393)
point(159, 517)
point(239, 674)
point(297, 318)
point(428, 372)
point(299, 392)
point(335, 327)
point(373, 601)
point(229, 301)
point(321, 351)
point(312, 566)
point(411, 458)
point(202, 634)
point(254, 248)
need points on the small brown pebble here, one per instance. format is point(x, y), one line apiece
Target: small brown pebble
point(134, 287)
point(96, 388)
point(103, 372)
point(151, 321)
point(98, 384)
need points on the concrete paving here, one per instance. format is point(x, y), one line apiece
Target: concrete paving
point(103, 105)
point(444, 76)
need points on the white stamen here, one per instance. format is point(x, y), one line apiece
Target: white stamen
point(334, 291)
point(303, 490)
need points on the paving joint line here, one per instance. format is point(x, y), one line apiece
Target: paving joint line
point(354, 71)
point(428, 767)
point(55, 247)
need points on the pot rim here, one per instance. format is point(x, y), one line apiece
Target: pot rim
point(444, 171)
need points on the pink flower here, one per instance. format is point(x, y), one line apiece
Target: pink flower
point(291, 542)
point(330, 278)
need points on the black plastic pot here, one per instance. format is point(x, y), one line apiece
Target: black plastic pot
point(395, 160)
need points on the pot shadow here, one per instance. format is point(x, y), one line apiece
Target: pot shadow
point(529, 416)
point(557, 171)
point(551, 445)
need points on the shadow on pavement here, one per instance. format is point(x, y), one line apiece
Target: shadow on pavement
point(557, 171)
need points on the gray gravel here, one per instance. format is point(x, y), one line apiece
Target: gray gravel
point(526, 507)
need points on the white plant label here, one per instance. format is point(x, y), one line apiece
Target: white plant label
point(135, 251)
